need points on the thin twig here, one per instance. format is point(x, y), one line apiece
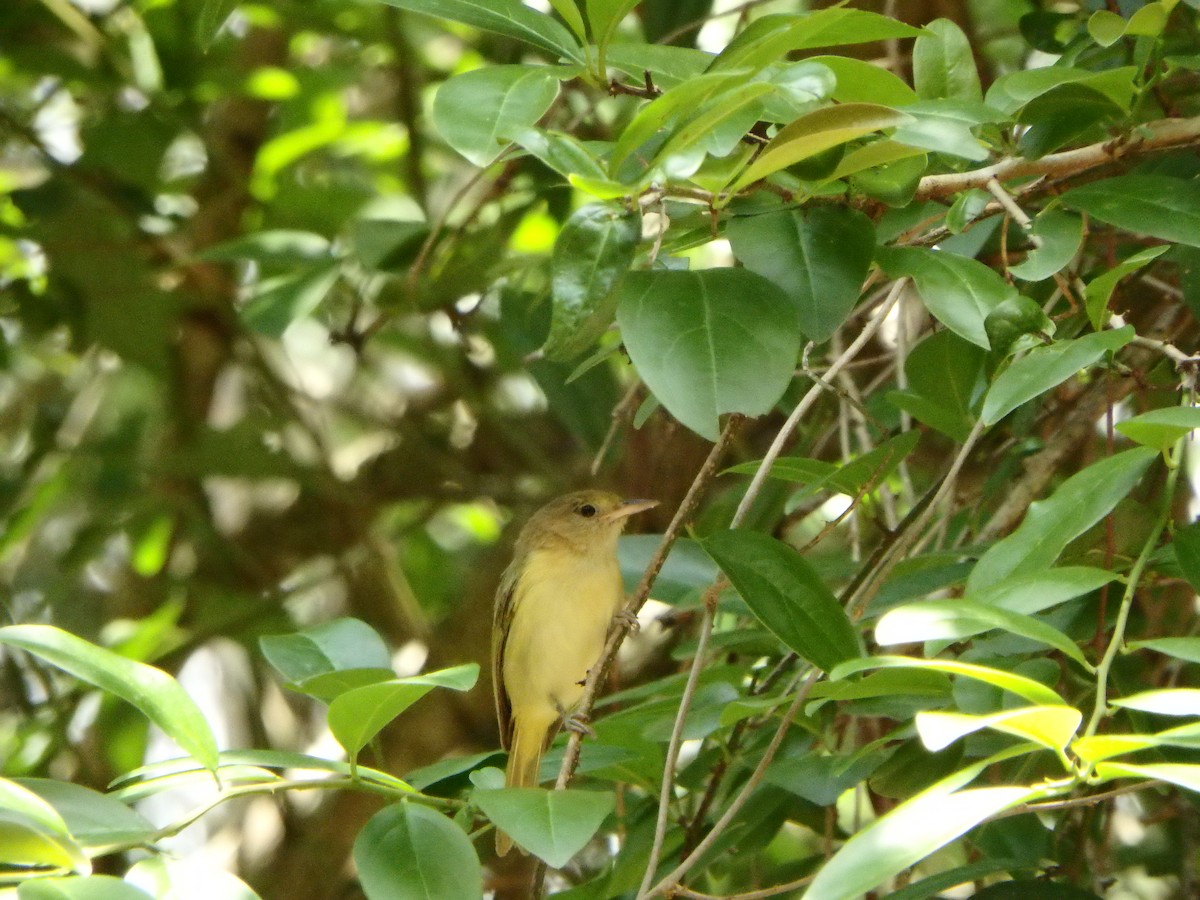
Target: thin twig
point(685, 702)
point(620, 414)
point(910, 531)
point(810, 398)
point(751, 785)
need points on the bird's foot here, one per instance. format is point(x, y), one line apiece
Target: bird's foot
point(578, 723)
point(629, 619)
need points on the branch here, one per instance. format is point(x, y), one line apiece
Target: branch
point(1160, 135)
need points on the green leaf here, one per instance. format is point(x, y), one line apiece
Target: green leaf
point(335, 646)
point(1106, 28)
point(885, 683)
point(1051, 726)
point(1061, 234)
point(1014, 319)
point(1037, 591)
point(944, 64)
point(249, 762)
point(819, 257)
point(1009, 93)
point(561, 152)
point(212, 16)
point(1106, 746)
point(1100, 288)
point(1150, 20)
point(1186, 542)
point(411, 852)
point(552, 825)
point(787, 595)
point(1161, 428)
point(709, 342)
point(570, 14)
point(511, 18)
point(684, 99)
point(966, 208)
point(1033, 691)
point(93, 819)
point(478, 112)
point(1064, 114)
point(959, 292)
point(151, 690)
point(328, 685)
point(593, 252)
point(945, 379)
point(1155, 205)
point(934, 885)
point(1168, 702)
point(908, 834)
point(1044, 368)
point(859, 81)
point(953, 620)
point(816, 132)
point(604, 17)
point(80, 887)
point(861, 473)
point(283, 246)
point(771, 37)
point(668, 66)
point(717, 126)
point(357, 715)
point(33, 833)
point(1185, 648)
point(278, 302)
point(1079, 503)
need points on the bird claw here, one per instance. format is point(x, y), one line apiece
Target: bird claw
point(629, 619)
point(579, 725)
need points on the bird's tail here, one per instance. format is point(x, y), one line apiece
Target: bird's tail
point(524, 761)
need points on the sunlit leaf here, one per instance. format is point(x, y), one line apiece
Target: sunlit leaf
point(155, 693)
point(1033, 691)
point(1050, 726)
point(1167, 702)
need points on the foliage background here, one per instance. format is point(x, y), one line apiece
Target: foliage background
point(271, 357)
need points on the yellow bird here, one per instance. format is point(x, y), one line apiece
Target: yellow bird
point(556, 602)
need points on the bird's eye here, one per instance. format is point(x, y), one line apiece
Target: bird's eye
point(587, 510)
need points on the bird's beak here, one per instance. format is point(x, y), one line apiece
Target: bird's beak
point(628, 508)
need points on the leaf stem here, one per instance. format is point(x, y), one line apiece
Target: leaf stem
point(1135, 574)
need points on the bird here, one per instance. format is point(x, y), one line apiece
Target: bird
point(554, 607)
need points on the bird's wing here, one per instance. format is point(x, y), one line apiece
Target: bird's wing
point(502, 617)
